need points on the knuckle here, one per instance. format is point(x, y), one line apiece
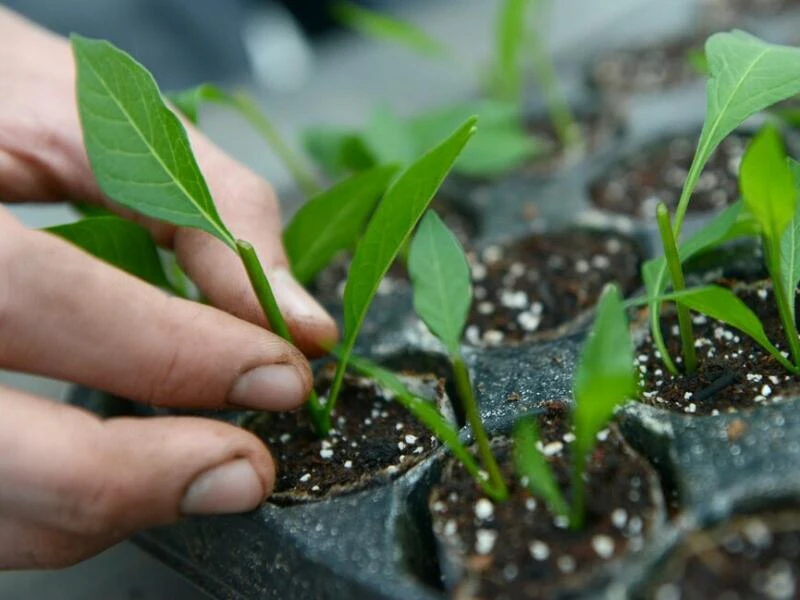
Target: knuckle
point(96, 510)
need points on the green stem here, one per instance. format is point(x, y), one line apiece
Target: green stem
point(336, 386)
point(678, 284)
point(782, 298)
point(560, 113)
point(470, 405)
point(302, 175)
point(577, 514)
point(263, 290)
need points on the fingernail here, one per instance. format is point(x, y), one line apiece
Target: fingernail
point(269, 387)
point(294, 299)
point(230, 488)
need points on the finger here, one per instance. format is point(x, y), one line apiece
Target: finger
point(67, 315)
point(63, 468)
point(249, 207)
point(26, 545)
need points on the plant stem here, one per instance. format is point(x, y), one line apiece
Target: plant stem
point(678, 284)
point(255, 272)
point(784, 308)
point(560, 113)
point(301, 174)
point(470, 405)
point(577, 514)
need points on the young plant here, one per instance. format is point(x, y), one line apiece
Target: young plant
point(440, 276)
point(606, 378)
point(746, 76)
point(141, 158)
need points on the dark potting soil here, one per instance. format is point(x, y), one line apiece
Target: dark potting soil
point(328, 286)
point(652, 68)
point(636, 185)
point(374, 439)
point(544, 281)
point(518, 549)
point(733, 371)
point(753, 557)
point(596, 128)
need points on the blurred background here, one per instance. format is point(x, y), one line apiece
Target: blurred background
point(302, 70)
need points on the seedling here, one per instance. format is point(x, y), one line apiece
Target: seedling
point(605, 379)
point(746, 76)
point(141, 158)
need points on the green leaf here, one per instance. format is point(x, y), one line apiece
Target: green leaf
point(337, 151)
point(606, 375)
point(121, 243)
point(389, 138)
point(533, 466)
point(790, 245)
point(723, 305)
point(510, 39)
point(333, 221)
point(697, 59)
point(441, 280)
point(137, 147)
point(422, 410)
point(747, 76)
point(91, 210)
point(394, 220)
point(388, 29)
point(500, 145)
point(767, 183)
point(188, 101)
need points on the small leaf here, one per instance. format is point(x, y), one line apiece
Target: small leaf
point(337, 151)
point(790, 246)
point(394, 220)
point(422, 410)
point(137, 147)
point(121, 243)
point(441, 281)
point(389, 139)
point(388, 29)
point(510, 39)
point(767, 183)
point(723, 305)
point(533, 466)
point(91, 210)
point(697, 58)
point(188, 101)
point(333, 221)
point(606, 375)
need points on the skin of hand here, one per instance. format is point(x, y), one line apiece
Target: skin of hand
point(70, 484)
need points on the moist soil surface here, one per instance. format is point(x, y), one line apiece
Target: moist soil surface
point(518, 549)
point(753, 557)
point(596, 129)
point(544, 281)
point(374, 439)
point(733, 371)
point(636, 185)
point(328, 286)
point(645, 69)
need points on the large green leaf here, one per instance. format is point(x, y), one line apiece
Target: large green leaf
point(767, 183)
point(747, 76)
point(790, 245)
point(723, 305)
point(534, 468)
point(333, 221)
point(388, 29)
point(441, 279)
point(124, 244)
point(606, 375)
point(394, 220)
point(137, 147)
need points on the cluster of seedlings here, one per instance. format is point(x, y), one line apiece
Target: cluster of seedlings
point(557, 504)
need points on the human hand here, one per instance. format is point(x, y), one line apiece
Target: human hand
point(71, 485)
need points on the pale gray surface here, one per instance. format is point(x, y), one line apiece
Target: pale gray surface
point(350, 77)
